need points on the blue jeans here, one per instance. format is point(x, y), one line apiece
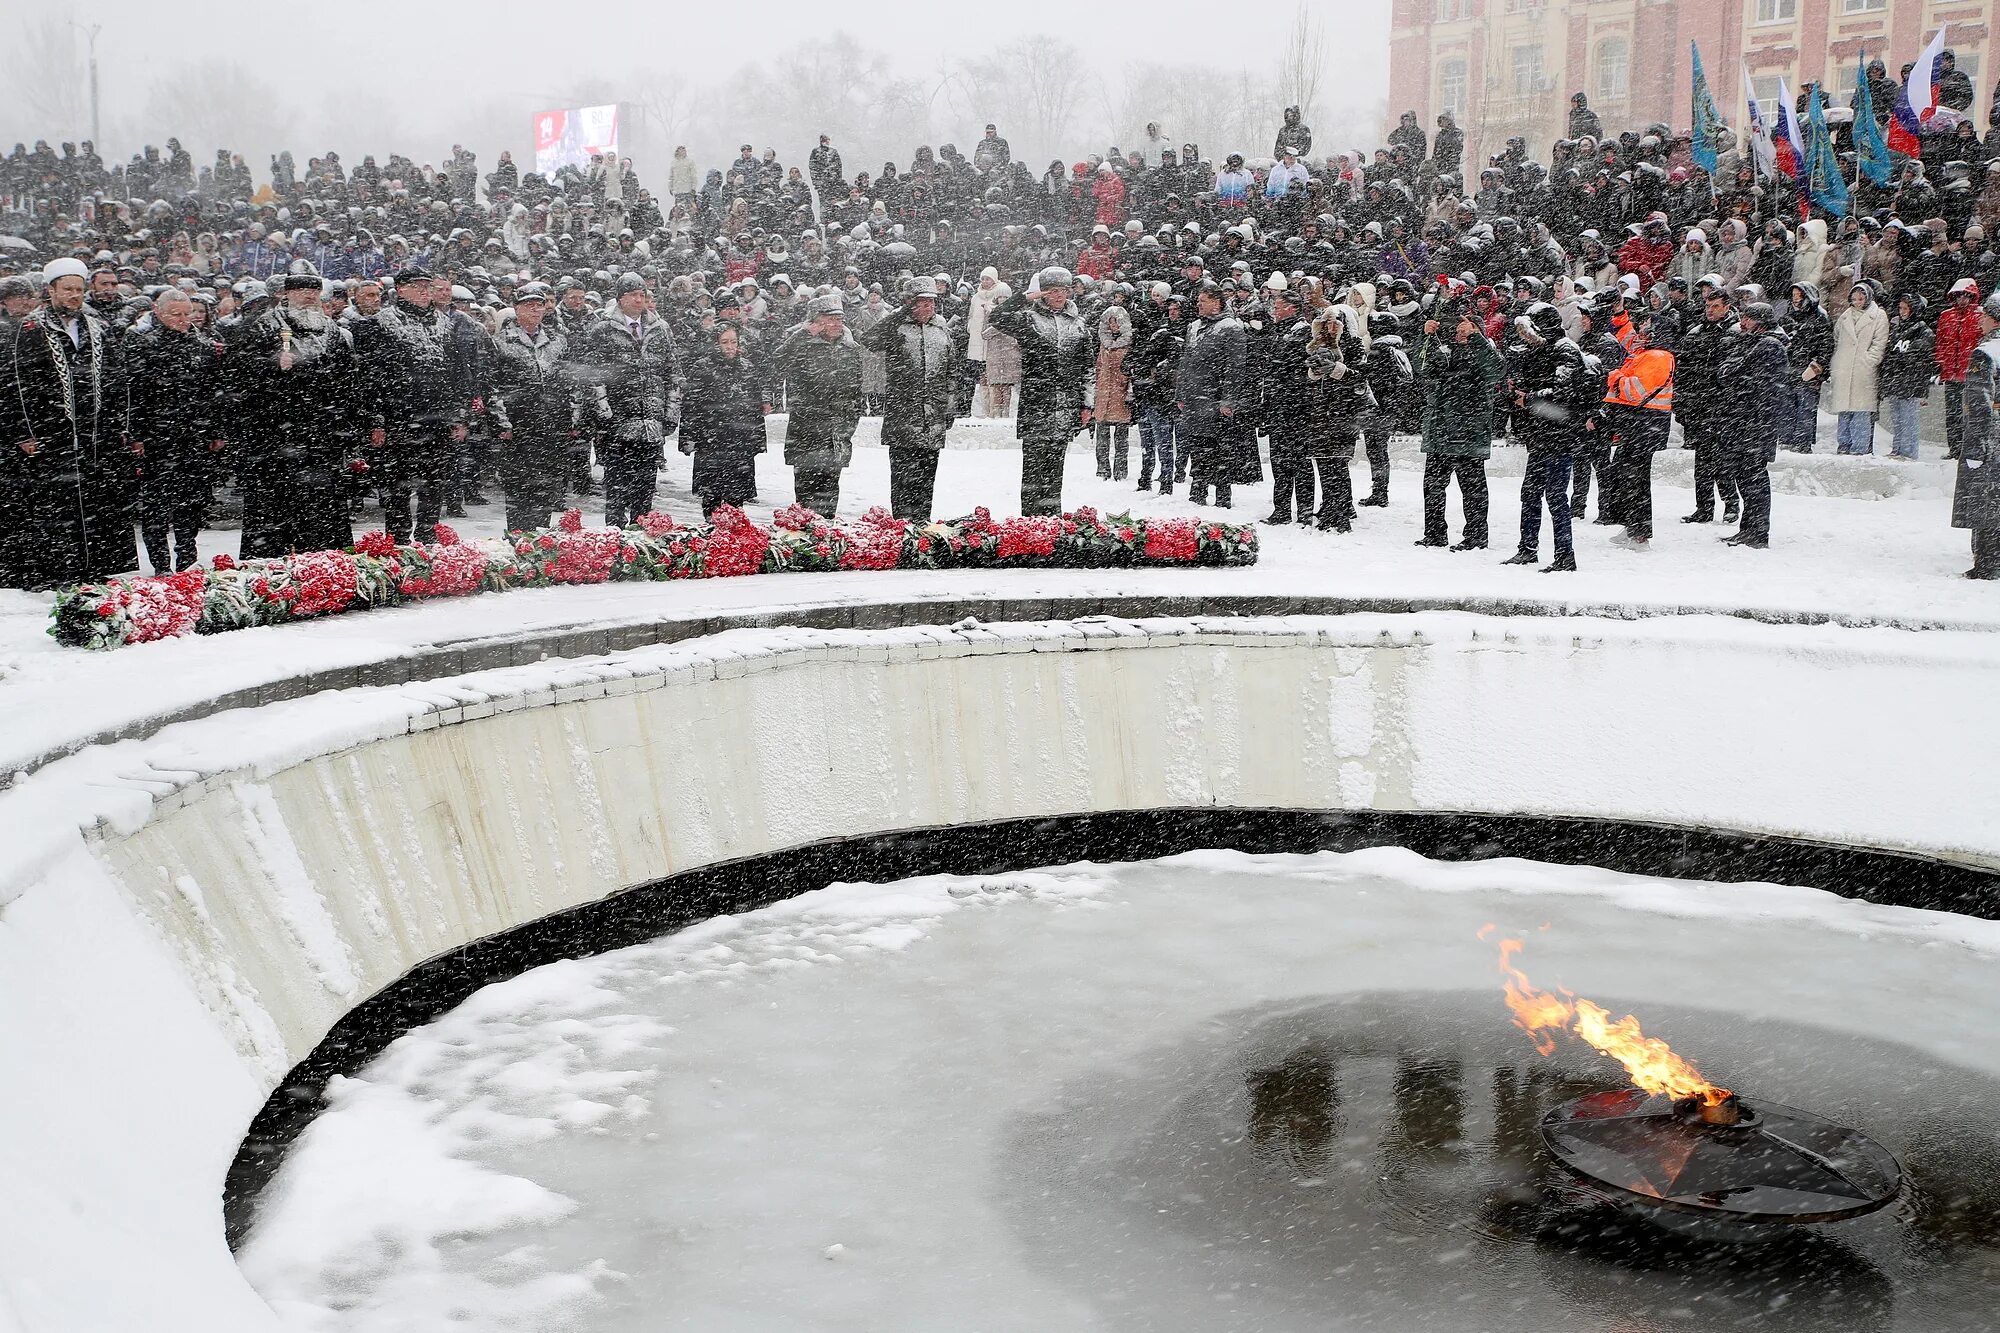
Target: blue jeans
point(1156, 443)
point(1802, 429)
point(1856, 432)
point(1903, 425)
point(1547, 476)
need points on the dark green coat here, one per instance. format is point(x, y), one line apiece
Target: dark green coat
point(824, 383)
point(1975, 502)
point(1459, 383)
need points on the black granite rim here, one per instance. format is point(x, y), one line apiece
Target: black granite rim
point(648, 911)
point(443, 660)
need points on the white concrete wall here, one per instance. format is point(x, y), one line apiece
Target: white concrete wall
point(253, 877)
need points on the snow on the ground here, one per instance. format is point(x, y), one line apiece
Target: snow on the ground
point(1862, 538)
point(828, 1114)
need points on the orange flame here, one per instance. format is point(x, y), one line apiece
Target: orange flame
point(1649, 1062)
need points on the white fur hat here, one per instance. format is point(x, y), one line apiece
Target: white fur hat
point(64, 268)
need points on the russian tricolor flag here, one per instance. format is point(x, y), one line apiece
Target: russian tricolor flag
point(1917, 102)
point(1786, 141)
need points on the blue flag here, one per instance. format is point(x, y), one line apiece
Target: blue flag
point(1821, 172)
point(1707, 120)
point(1870, 148)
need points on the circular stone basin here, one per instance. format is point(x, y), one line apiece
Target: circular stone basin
point(1211, 1092)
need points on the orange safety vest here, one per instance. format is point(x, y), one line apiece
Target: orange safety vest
point(1621, 329)
point(1645, 380)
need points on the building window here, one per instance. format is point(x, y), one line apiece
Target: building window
point(1863, 6)
point(1614, 69)
point(1777, 11)
point(1528, 78)
point(1451, 87)
point(1451, 11)
point(1525, 6)
point(1765, 89)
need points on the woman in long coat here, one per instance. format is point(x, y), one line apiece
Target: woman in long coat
point(1336, 371)
point(1111, 405)
point(988, 296)
point(1975, 503)
point(1853, 385)
point(722, 422)
point(1003, 373)
point(874, 366)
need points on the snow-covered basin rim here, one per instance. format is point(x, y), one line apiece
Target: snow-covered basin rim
point(266, 657)
point(114, 789)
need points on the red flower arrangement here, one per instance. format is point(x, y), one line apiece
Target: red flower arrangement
point(378, 544)
point(375, 572)
point(1171, 539)
point(735, 544)
point(323, 582)
point(1028, 536)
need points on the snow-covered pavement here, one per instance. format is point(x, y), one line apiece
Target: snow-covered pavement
point(1854, 539)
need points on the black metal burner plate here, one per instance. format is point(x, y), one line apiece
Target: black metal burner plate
point(1781, 1165)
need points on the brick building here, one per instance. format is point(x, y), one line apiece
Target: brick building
point(1508, 67)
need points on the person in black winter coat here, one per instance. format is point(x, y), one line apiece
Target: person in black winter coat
point(1604, 354)
point(470, 353)
point(1289, 403)
point(1808, 353)
point(1975, 501)
point(533, 406)
point(1295, 136)
point(170, 397)
point(1698, 405)
point(722, 421)
point(62, 427)
point(1908, 368)
point(1409, 133)
point(1058, 361)
point(1582, 120)
point(1398, 406)
point(415, 418)
point(1448, 147)
point(629, 352)
point(1212, 388)
point(922, 355)
point(1152, 366)
point(1749, 375)
point(1554, 394)
point(298, 369)
point(822, 368)
point(1337, 377)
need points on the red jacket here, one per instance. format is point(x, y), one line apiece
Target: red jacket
point(1648, 259)
point(1097, 263)
point(1110, 195)
point(1957, 336)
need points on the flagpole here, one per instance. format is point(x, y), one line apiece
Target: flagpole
point(1854, 196)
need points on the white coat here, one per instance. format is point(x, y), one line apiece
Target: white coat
point(984, 301)
point(1809, 257)
point(1860, 337)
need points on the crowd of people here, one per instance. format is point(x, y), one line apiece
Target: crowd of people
point(177, 342)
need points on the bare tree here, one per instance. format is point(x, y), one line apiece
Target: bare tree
point(1302, 63)
point(45, 74)
point(220, 103)
point(1052, 78)
point(1036, 85)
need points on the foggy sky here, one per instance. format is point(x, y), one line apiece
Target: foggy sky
point(415, 76)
